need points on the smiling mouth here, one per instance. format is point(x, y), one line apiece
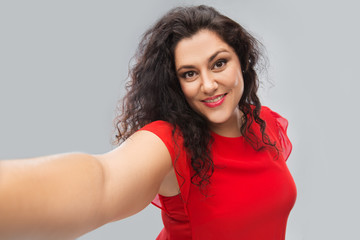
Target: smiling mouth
point(214, 99)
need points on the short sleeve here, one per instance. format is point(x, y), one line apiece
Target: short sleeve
point(174, 144)
point(278, 125)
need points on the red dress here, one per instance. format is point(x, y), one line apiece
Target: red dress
point(251, 192)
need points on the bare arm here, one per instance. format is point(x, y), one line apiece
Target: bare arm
point(64, 196)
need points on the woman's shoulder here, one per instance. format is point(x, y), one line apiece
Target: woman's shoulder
point(166, 132)
point(158, 123)
point(159, 127)
point(270, 115)
point(273, 119)
point(267, 111)
point(278, 126)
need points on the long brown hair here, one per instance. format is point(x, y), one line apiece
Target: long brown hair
point(154, 92)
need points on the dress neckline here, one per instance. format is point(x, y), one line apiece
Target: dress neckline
point(215, 135)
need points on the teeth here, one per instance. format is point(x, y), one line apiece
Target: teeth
point(215, 99)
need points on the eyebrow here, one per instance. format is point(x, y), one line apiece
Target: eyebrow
point(210, 59)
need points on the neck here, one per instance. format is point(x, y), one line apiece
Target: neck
point(230, 128)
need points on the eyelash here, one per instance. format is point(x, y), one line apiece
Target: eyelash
point(185, 73)
point(223, 61)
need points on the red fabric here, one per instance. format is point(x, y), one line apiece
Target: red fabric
point(251, 192)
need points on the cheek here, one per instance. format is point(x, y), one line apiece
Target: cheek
point(189, 90)
point(234, 80)
point(238, 85)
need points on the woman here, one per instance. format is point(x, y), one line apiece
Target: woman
point(195, 142)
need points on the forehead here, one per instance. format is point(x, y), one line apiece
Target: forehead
point(199, 47)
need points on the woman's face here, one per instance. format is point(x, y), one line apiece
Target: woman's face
point(210, 76)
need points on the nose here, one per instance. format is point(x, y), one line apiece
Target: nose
point(209, 85)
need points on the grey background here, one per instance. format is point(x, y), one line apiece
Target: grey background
point(63, 66)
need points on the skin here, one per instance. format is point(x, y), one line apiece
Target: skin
point(207, 67)
point(67, 195)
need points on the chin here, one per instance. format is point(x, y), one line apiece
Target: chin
point(217, 120)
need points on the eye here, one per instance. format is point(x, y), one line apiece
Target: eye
point(219, 64)
point(189, 74)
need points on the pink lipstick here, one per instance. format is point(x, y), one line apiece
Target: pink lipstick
point(214, 101)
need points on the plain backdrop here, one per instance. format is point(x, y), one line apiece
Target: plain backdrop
point(63, 65)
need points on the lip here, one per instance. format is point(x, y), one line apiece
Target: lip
point(214, 104)
point(211, 98)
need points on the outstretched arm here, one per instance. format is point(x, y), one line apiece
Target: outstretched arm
point(64, 196)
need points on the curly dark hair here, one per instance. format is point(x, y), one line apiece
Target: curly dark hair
point(154, 92)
